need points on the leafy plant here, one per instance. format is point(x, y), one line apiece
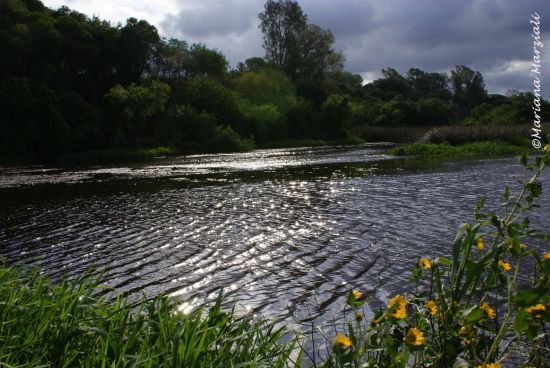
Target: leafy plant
point(470, 310)
point(67, 324)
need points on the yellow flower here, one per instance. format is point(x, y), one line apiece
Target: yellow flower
point(468, 334)
point(431, 307)
point(504, 265)
point(490, 365)
point(357, 294)
point(536, 308)
point(479, 244)
point(547, 148)
point(342, 341)
point(425, 263)
point(522, 247)
point(414, 336)
point(546, 255)
point(400, 311)
point(359, 316)
point(487, 310)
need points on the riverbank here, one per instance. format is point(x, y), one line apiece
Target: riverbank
point(470, 140)
point(68, 324)
point(297, 143)
point(487, 148)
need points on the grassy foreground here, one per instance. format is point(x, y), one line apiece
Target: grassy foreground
point(45, 324)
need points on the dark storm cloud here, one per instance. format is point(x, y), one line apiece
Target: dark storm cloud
point(492, 36)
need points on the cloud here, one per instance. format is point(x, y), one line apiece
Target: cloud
point(492, 36)
point(118, 11)
point(207, 18)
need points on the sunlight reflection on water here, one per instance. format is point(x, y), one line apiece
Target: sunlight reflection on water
point(276, 229)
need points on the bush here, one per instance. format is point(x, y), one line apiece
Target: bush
point(227, 140)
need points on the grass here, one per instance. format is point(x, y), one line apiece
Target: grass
point(66, 324)
point(460, 134)
point(488, 148)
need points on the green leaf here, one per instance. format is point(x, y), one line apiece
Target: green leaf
point(444, 261)
point(529, 297)
point(535, 189)
point(523, 159)
point(471, 315)
point(520, 323)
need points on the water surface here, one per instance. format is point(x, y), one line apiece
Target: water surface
point(276, 229)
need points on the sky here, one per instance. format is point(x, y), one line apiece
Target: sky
point(491, 36)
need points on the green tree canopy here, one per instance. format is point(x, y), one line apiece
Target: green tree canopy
point(298, 48)
point(266, 86)
point(468, 89)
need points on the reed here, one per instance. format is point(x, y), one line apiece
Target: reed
point(460, 134)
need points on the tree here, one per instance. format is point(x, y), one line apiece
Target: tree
point(335, 117)
point(171, 59)
point(282, 23)
point(468, 89)
point(135, 47)
point(206, 62)
point(391, 85)
point(346, 83)
point(426, 85)
point(253, 64)
point(31, 124)
point(267, 87)
point(128, 111)
point(315, 54)
point(300, 49)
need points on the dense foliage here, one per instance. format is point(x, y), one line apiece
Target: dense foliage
point(70, 84)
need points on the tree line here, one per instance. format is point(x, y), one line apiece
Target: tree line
point(70, 83)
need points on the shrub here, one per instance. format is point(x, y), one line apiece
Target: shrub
point(227, 140)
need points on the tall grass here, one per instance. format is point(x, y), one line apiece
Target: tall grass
point(45, 324)
point(466, 149)
point(460, 134)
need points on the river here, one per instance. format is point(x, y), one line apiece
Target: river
point(278, 230)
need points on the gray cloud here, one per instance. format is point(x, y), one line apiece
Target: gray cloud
point(206, 18)
point(492, 36)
